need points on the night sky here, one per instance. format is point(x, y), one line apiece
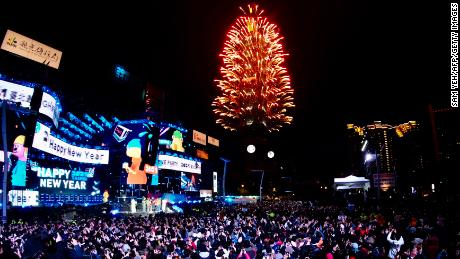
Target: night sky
point(349, 61)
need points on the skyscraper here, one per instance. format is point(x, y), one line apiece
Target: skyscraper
point(378, 155)
point(445, 132)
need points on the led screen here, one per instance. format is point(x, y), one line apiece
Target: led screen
point(18, 139)
point(139, 141)
point(172, 139)
point(189, 182)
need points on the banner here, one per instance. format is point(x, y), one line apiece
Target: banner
point(31, 49)
point(179, 164)
point(50, 108)
point(199, 137)
point(44, 141)
point(16, 93)
point(214, 181)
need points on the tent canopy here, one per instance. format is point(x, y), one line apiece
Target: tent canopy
point(351, 182)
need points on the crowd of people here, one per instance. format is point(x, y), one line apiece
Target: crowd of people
point(271, 229)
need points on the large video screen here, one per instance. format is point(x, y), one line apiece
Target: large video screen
point(17, 161)
point(189, 182)
point(173, 139)
point(19, 130)
point(62, 179)
point(50, 182)
point(139, 142)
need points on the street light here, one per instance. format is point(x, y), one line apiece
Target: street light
point(261, 181)
point(368, 157)
point(251, 149)
point(270, 154)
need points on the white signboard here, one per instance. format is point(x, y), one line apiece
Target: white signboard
point(52, 145)
point(50, 108)
point(214, 181)
point(213, 141)
point(28, 48)
point(23, 198)
point(179, 164)
point(16, 93)
point(205, 193)
point(199, 137)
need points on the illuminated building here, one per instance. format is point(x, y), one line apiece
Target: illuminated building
point(445, 136)
point(373, 149)
point(445, 133)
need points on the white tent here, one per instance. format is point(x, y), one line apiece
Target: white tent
point(351, 182)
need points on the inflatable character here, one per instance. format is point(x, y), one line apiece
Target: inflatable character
point(105, 196)
point(18, 174)
point(177, 141)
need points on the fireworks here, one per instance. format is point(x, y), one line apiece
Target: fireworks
point(255, 87)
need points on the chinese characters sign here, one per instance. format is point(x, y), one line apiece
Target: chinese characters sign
point(28, 48)
point(16, 93)
point(213, 141)
point(199, 137)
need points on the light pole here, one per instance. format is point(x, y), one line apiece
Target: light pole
point(261, 181)
point(251, 149)
point(225, 174)
point(5, 164)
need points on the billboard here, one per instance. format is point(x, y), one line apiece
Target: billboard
point(52, 182)
point(199, 137)
point(57, 179)
point(179, 164)
point(50, 107)
point(213, 141)
point(44, 141)
point(202, 154)
point(31, 49)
